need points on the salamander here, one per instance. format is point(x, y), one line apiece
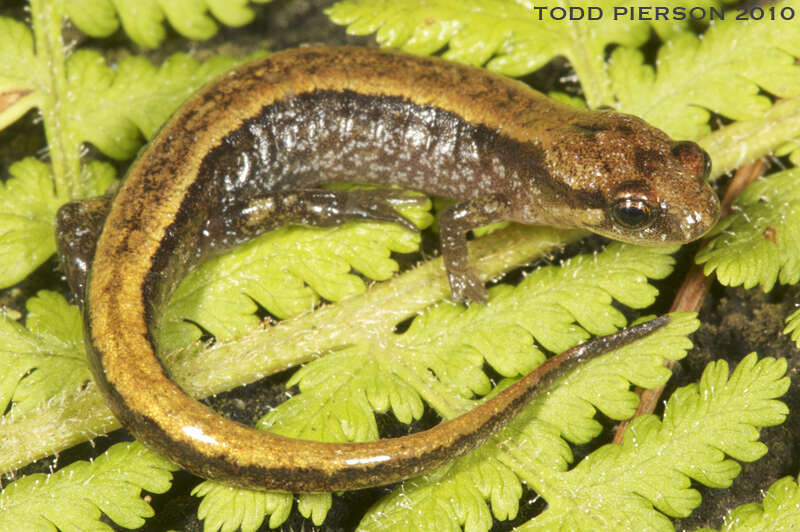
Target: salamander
point(254, 150)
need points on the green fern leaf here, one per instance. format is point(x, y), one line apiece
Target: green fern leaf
point(96, 18)
point(228, 509)
point(619, 487)
point(721, 72)
point(143, 21)
point(759, 244)
point(99, 105)
point(262, 351)
point(19, 73)
point(790, 149)
point(73, 498)
point(27, 209)
point(315, 506)
point(42, 358)
point(793, 326)
point(112, 109)
point(439, 359)
point(779, 512)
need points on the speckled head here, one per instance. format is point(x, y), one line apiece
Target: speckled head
point(638, 184)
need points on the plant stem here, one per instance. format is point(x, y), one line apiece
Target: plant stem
point(47, 17)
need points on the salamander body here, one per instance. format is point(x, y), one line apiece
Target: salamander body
point(253, 151)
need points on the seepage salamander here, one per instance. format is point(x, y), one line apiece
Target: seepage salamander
point(253, 150)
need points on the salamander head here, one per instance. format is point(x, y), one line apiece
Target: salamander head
point(635, 183)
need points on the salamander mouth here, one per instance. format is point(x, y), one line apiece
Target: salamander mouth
point(666, 230)
point(694, 222)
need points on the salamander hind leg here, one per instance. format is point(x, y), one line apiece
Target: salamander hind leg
point(454, 223)
point(324, 208)
point(78, 226)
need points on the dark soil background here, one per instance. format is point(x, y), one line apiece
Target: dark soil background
point(735, 321)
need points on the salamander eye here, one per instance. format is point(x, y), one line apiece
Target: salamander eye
point(632, 213)
point(693, 157)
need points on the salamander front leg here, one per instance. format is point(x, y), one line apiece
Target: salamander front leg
point(453, 226)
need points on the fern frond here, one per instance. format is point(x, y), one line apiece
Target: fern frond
point(227, 509)
point(622, 486)
point(439, 359)
point(759, 244)
point(19, 72)
point(790, 149)
point(143, 22)
point(721, 72)
point(110, 109)
point(42, 358)
point(28, 207)
point(81, 100)
point(453, 341)
point(74, 497)
point(488, 482)
point(793, 326)
point(114, 108)
point(779, 511)
point(507, 36)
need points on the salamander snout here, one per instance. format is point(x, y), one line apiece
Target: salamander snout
point(695, 208)
point(667, 202)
